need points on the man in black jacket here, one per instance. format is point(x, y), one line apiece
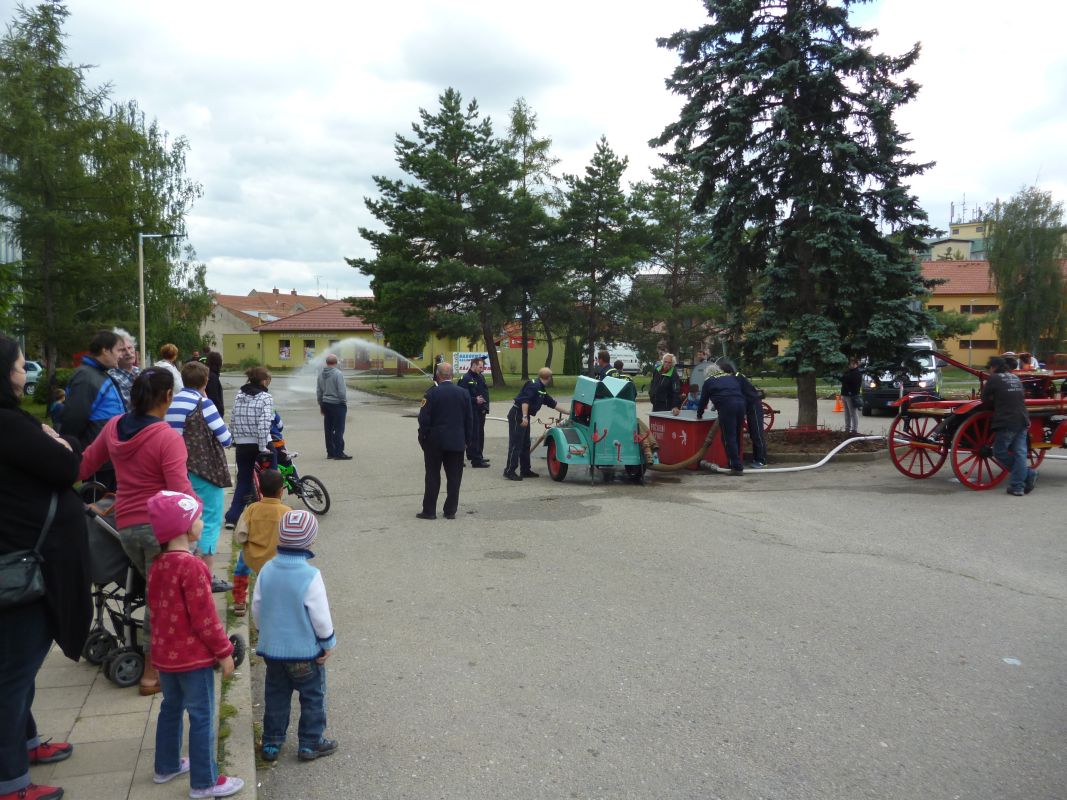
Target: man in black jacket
point(1003, 394)
point(474, 383)
point(445, 427)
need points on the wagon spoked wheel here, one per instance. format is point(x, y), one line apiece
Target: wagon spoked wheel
point(557, 470)
point(972, 453)
point(1036, 457)
point(768, 416)
point(909, 446)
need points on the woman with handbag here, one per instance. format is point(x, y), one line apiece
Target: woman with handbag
point(148, 456)
point(42, 513)
point(195, 417)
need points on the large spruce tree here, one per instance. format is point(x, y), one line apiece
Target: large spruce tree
point(1025, 246)
point(442, 262)
point(788, 115)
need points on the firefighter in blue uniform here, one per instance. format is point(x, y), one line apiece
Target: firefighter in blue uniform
point(753, 413)
point(474, 383)
point(527, 403)
point(445, 425)
point(724, 391)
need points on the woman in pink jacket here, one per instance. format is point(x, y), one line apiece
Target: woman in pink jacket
point(148, 455)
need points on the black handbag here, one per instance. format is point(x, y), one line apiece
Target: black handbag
point(206, 457)
point(21, 579)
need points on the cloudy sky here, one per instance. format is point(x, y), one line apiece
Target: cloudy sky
point(291, 108)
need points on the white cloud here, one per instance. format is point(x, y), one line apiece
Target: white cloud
point(289, 109)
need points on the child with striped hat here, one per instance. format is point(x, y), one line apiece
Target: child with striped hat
point(296, 636)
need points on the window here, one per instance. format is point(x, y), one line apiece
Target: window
point(309, 349)
point(240, 345)
point(973, 309)
point(955, 231)
point(285, 352)
point(979, 228)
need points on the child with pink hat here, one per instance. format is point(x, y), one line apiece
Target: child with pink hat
point(187, 642)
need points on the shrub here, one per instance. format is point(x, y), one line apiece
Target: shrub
point(42, 393)
point(249, 362)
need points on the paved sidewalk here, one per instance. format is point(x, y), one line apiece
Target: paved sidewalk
point(113, 730)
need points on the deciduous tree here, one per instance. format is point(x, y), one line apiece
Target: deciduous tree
point(1024, 249)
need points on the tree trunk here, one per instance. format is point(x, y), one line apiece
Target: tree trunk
point(525, 338)
point(550, 341)
point(490, 348)
point(808, 400)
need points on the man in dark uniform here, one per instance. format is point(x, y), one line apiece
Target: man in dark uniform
point(527, 403)
point(474, 383)
point(724, 391)
point(753, 413)
point(445, 426)
point(1003, 394)
point(603, 364)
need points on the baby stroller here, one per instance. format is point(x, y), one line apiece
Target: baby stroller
point(118, 594)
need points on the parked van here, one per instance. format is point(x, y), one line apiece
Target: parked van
point(882, 390)
point(631, 364)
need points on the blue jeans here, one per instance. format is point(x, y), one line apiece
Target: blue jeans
point(1011, 450)
point(245, 457)
point(24, 643)
point(192, 691)
point(333, 425)
point(283, 678)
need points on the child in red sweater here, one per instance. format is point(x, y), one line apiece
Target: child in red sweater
point(188, 640)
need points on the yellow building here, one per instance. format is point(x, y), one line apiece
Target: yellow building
point(967, 289)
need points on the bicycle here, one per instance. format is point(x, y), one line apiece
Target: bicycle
point(311, 491)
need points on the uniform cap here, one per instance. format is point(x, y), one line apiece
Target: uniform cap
point(297, 529)
point(172, 514)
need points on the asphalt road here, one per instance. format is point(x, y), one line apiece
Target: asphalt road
point(841, 633)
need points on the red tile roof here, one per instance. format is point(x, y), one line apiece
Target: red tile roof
point(961, 277)
point(966, 277)
point(274, 303)
point(328, 317)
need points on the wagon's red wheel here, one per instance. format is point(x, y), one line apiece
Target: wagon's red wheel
point(557, 470)
point(1037, 456)
point(768, 417)
point(911, 449)
point(972, 453)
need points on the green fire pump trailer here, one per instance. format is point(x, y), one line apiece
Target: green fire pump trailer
point(601, 432)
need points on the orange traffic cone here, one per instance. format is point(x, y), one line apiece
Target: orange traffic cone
point(839, 407)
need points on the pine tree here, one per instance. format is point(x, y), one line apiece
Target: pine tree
point(680, 292)
point(788, 116)
point(442, 261)
point(601, 238)
point(1026, 242)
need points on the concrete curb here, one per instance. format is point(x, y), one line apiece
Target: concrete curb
point(240, 745)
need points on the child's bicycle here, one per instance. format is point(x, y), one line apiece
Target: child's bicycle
point(311, 491)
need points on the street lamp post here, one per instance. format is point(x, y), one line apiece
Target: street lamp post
point(140, 286)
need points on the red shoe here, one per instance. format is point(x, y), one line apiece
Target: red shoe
point(49, 752)
point(34, 792)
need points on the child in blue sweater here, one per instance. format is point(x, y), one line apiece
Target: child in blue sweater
point(296, 637)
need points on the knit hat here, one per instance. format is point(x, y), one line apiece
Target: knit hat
point(297, 529)
point(172, 514)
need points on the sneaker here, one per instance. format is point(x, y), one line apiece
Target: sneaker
point(239, 609)
point(737, 472)
point(1016, 492)
point(229, 526)
point(269, 752)
point(342, 457)
point(1031, 481)
point(757, 465)
point(219, 586)
point(511, 476)
point(183, 767)
point(529, 473)
point(223, 787)
point(34, 792)
point(49, 752)
point(323, 748)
